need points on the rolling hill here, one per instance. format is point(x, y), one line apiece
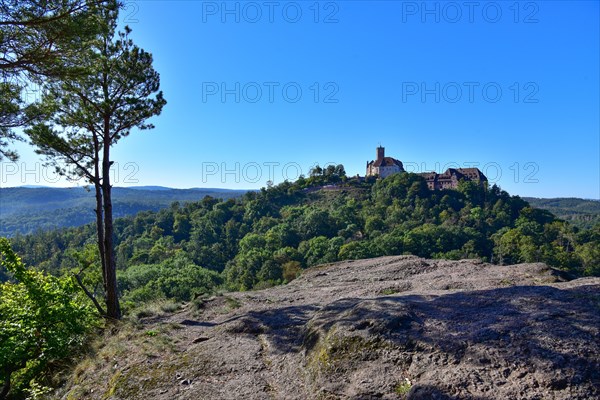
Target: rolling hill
point(579, 212)
point(25, 210)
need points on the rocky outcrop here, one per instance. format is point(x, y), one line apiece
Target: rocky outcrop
point(384, 328)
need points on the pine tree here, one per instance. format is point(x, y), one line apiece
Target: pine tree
point(38, 39)
point(87, 115)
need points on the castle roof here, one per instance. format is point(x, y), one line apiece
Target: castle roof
point(472, 173)
point(455, 174)
point(386, 162)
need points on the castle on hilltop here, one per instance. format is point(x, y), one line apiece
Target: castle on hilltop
point(385, 166)
point(450, 178)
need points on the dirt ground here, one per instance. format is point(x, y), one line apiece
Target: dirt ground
point(384, 328)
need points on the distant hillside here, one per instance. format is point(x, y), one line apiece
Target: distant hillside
point(581, 213)
point(28, 209)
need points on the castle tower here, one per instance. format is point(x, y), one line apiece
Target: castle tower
point(380, 153)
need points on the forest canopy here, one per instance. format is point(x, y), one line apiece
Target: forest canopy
point(266, 238)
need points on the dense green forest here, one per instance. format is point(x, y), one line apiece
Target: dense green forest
point(26, 210)
point(267, 237)
point(579, 212)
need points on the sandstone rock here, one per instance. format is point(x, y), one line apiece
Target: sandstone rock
point(391, 328)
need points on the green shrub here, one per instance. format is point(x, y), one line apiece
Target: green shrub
point(291, 270)
point(43, 319)
point(178, 279)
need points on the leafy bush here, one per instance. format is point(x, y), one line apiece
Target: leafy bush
point(291, 270)
point(177, 278)
point(42, 319)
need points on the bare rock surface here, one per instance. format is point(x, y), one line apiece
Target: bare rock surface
point(385, 328)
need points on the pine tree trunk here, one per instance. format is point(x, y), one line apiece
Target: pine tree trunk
point(100, 231)
point(99, 207)
point(113, 309)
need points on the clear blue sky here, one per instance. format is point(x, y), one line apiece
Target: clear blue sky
point(512, 88)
